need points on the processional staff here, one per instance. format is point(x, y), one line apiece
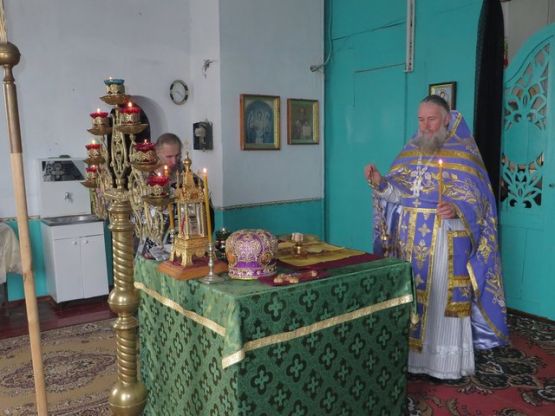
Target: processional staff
point(9, 56)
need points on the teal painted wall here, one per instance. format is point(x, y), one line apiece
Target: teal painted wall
point(278, 218)
point(371, 102)
point(15, 281)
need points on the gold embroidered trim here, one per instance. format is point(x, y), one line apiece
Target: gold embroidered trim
point(473, 280)
point(420, 210)
point(415, 344)
point(458, 310)
point(484, 315)
point(213, 326)
point(446, 165)
point(455, 309)
point(443, 153)
point(421, 297)
point(309, 329)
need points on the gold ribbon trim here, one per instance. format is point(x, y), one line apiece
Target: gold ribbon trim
point(218, 329)
point(306, 330)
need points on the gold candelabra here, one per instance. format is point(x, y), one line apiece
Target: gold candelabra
point(123, 189)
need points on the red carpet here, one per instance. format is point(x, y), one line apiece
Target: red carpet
point(517, 380)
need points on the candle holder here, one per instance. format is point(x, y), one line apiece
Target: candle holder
point(115, 92)
point(94, 153)
point(100, 118)
point(114, 86)
point(298, 249)
point(211, 277)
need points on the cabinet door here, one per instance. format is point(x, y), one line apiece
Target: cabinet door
point(67, 266)
point(93, 266)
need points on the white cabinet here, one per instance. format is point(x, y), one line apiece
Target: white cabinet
point(75, 260)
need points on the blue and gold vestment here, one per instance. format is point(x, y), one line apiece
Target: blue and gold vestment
point(410, 229)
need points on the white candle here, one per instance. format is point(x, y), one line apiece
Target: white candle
point(207, 205)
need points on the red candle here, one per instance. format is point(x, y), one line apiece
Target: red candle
point(144, 147)
point(158, 180)
point(130, 109)
point(91, 169)
point(98, 113)
point(93, 146)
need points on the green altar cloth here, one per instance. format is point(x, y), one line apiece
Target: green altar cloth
point(335, 346)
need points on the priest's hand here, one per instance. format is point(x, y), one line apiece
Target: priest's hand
point(372, 175)
point(446, 211)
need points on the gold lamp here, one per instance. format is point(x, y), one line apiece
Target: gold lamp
point(192, 236)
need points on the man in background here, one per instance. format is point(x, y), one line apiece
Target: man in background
point(168, 148)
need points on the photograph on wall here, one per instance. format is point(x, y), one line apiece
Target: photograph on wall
point(302, 121)
point(446, 90)
point(259, 119)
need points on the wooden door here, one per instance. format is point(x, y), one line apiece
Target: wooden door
point(528, 178)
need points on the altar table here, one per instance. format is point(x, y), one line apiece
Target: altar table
point(333, 346)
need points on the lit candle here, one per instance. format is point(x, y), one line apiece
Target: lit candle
point(130, 113)
point(130, 108)
point(93, 145)
point(158, 180)
point(170, 213)
point(166, 171)
point(98, 113)
point(144, 147)
point(207, 205)
point(440, 181)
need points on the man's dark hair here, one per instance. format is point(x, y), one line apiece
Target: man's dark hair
point(437, 100)
point(168, 138)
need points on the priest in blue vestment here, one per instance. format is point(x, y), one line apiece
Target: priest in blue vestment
point(435, 208)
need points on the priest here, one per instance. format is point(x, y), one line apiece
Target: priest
point(435, 208)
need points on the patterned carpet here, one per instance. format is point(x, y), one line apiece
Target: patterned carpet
point(80, 368)
point(517, 380)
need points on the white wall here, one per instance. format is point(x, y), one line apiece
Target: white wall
point(68, 48)
point(523, 18)
point(267, 47)
point(205, 89)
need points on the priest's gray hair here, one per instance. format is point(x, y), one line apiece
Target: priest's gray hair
point(439, 101)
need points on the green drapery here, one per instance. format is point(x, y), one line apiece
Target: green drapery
point(335, 346)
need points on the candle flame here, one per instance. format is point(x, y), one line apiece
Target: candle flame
point(98, 110)
point(129, 104)
point(159, 174)
point(440, 161)
point(93, 141)
point(146, 141)
point(204, 171)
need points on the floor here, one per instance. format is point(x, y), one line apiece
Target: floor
point(13, 316)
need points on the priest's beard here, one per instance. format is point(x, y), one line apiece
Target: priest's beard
point(431, 143)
